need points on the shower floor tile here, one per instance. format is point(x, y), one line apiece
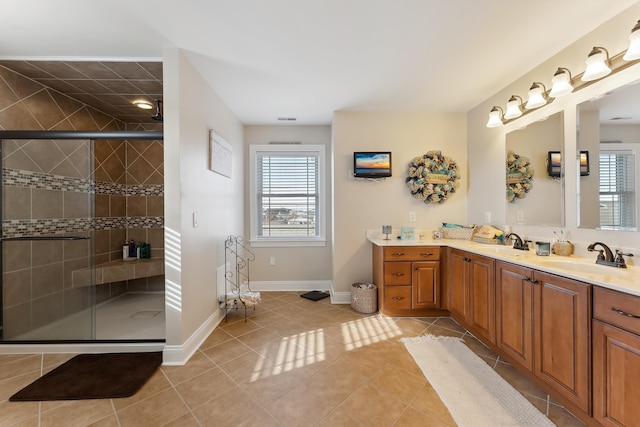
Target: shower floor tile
point(131, 316)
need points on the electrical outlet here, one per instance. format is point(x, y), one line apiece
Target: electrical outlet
point(487, 217)
point(520, 216)
point(412, 216)
point(195, 220)
point(272, 260)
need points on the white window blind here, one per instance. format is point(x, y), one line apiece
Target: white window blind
point(617, 192)
point(287, 193)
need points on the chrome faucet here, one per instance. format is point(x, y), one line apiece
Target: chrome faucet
point(517, 242)
point(606, 256)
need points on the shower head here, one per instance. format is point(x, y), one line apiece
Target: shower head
point(158, 117)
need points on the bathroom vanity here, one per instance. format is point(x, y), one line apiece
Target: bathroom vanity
point(569, 325)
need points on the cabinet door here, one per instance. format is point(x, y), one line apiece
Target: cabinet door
point(616, 376)
point(425, 286)
point(482, 296)
point(514, 309)
point(562, 327)
point(458, 273)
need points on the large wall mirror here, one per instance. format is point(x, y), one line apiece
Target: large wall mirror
point(609, 131)
point(539, 142)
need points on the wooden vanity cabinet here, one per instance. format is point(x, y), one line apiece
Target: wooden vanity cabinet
point(472, 292)
point(616, 358)
point(542, 323)
point(514, 313)
point(408, 280)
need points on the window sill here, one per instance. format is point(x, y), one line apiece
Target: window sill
point(287, 243)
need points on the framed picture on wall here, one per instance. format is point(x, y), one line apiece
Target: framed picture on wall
point(220, 154)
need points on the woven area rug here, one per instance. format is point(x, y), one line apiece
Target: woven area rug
point(475, 394)
point(93, 376)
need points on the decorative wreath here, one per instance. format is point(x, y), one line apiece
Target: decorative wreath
point(519, 176)
point(432, 177)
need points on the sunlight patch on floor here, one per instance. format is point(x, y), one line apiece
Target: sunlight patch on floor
point(306, 348)
point(367, 331)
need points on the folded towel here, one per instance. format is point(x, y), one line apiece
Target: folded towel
point(488, 232)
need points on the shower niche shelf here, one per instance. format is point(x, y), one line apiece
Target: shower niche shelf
point(117, 271)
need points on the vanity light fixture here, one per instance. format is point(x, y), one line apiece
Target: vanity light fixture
point(145, 105)
point(495, 117)
point(561, 83)
point(537, 96)
point(514, 107)
point(597, 64)
point(633, 52)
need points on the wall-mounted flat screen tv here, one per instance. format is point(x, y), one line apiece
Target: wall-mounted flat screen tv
point(372, 164)
point(554, 163)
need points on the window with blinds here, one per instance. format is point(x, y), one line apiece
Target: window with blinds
point(287, 196)
point(617, 192)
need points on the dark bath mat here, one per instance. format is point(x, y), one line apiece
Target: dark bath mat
point(315, 295)
point(93, 376)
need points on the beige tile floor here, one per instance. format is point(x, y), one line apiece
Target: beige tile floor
point(294, 362)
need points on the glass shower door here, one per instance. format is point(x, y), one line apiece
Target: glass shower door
point(48, 254)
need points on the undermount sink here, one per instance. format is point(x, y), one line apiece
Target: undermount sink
point(581, 267)
point(507, 250)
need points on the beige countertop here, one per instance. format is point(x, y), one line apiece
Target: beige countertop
point(626, 280)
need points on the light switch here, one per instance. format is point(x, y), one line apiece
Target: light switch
point(412, 216)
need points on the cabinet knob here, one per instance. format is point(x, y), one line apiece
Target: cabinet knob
point(426, 254)
point(398, 274)
point(526, 279)
point(397, 254)
point(534, 281)
point(397, 298)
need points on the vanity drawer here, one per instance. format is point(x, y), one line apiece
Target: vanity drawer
point(397, 273)
point(412, 253)
point(397, 298)
point(626, 306)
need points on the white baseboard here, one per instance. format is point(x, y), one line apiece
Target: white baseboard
point(341, 298)
point(81, 348)
point(293, 285)
point(309, 285)
point(179, 355)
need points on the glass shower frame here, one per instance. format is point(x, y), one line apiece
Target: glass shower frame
point(81, 323)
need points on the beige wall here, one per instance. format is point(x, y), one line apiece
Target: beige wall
point(486, 146)
point(192, 254)
point(297, 266)
point(361, 205)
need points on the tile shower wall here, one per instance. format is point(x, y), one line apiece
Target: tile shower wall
point(50, 191)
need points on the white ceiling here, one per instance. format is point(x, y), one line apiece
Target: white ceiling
point(307, 58)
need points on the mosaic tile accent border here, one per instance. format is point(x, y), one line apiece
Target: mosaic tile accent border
point(41, 227)
point(28, 179)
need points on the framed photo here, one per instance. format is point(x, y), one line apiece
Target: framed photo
point(407, 233)
point(220, 154)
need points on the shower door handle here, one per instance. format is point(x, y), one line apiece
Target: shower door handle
point(29, 238)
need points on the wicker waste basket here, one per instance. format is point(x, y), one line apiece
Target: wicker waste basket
point(364, 297)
